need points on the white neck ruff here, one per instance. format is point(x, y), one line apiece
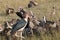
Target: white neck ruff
point(26, 19)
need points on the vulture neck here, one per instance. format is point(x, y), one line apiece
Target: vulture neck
point(26, 19)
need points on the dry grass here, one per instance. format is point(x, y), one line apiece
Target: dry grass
point(44, 8)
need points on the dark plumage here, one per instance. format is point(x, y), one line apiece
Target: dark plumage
point(50, 22)
point(29, 5)
point(32, 3)
point(18, 26)
point(9, 11)
point(19, 14)
point(47, 22)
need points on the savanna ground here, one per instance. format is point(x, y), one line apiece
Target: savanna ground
point(44, 8)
